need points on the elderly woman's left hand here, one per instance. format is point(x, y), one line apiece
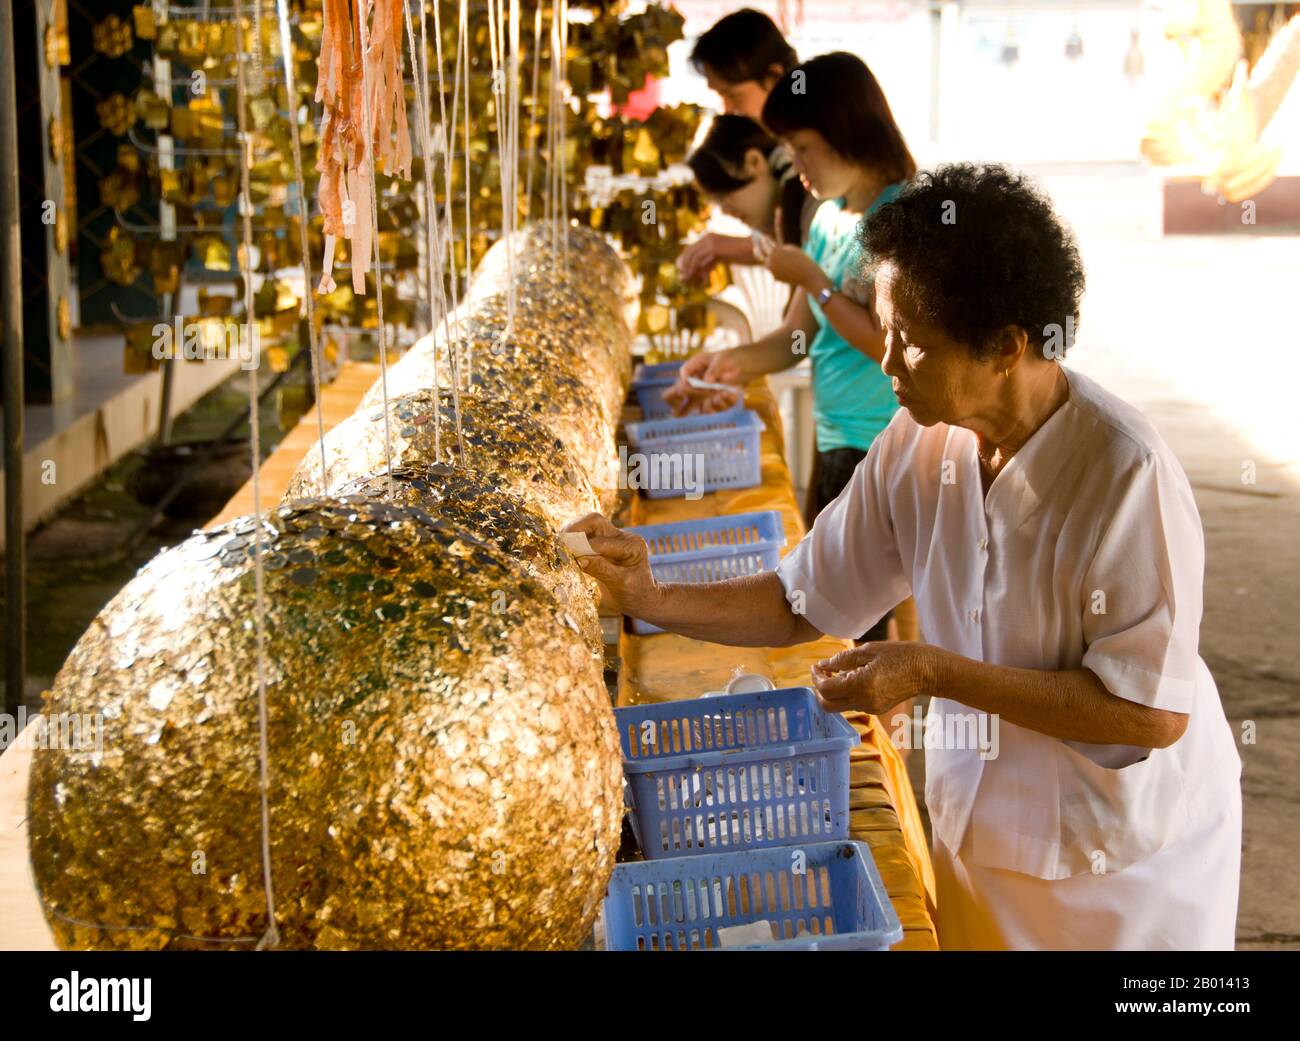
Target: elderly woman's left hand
point(877, 676)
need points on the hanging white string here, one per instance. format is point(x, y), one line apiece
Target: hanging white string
point(496, 32)
point(564, 128)
point(551, 108)
point(271, 937)
point(557, 137)
point(532, 111)
point(512, 153)
point(445, 231)
point(463, 50)
point(450, 334)
point(432, 236)
point(304, 215)
point(447, 173)
point(504, 44)
point(454, 264)
point(367, 107)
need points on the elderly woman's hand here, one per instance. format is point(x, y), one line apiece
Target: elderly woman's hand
point(621, 564)
point(877, 676)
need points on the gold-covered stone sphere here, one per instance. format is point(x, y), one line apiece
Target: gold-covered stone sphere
point(471, 503)
point(563, 394)
point(502, 441)
point(444, 770)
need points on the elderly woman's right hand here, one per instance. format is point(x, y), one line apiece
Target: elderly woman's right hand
point(713, 367)
point(621, 564)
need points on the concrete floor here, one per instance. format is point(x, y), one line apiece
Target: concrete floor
point(1201, 334)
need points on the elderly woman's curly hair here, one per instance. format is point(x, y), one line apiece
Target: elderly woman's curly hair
point(979, 248)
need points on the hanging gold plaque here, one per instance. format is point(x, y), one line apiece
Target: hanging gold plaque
point(145, 27)
point(57, 50)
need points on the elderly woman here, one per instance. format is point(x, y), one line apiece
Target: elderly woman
point(1052, 544)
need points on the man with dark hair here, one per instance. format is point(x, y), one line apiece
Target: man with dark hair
point(742, 56)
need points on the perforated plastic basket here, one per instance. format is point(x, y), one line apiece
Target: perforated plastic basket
point(673, 451)
point(664, 371)
point(649, 383)
point(736, 771)
point(650, 396)
point(712, 549)
point(822, 896)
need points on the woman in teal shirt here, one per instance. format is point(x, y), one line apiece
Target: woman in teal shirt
point(850, 154)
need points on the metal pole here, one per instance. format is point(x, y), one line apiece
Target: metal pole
point(12, 334)
point(168, 376)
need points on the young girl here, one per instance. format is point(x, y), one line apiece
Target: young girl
point(749, 175)
point(851, 155)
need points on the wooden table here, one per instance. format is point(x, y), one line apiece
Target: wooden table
point(666, 667)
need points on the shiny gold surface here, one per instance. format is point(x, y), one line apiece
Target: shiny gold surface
point(471, 503)
point(502, 442)
point(444, 767)
point(444, 770)
point(568, 355)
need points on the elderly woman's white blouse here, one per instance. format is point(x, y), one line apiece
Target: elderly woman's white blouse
point(1087, 552)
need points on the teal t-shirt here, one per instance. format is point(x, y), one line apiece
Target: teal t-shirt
point(853, 400)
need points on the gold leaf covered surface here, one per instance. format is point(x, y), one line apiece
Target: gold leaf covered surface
point(444, 769)
point(569, 352)
point(471, 503)
point(502, 441)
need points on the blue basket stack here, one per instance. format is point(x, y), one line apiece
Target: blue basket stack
point(726, 442)
point(825, 896)
point(741, 804)
point(709, 453)
point(649, 389)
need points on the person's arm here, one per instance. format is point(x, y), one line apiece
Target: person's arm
point(1073, 704)
point(1135, 684)
point(698, 259)
point(751, 611)
point(852, 320)
point(783, 348)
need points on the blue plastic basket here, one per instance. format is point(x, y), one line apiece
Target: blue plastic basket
point(649, 383)
point(650, 396)
point(725, 445)
point(823, 896)
point(735, 771)
point(664, 372)
point(711, 549)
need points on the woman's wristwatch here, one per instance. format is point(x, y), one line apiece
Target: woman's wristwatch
point(825, 295)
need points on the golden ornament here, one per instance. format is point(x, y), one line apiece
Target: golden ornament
point(501, 441)
point(444, 768)
point(472, 503)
